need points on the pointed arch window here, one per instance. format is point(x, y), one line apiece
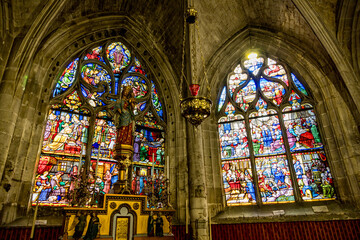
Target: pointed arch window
point(270, 144)
point(79, 129)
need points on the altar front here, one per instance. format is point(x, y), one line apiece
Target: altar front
point(122, 217)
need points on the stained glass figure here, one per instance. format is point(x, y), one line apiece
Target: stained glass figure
point(65, 133)
point(274, 179)
point(137, 67)
point(238, 182)
point(55, 176)
point(277, 71)
point(246, 95)
point(105, 177)
point(295, 101)
point(254, 64)
point(119, 56)
point(67, 78)
point(139, 108)
point(94, 99)
point(261, 109)
point(150, 121)
point(94, 74)
point(233, 140)
point(95, 53)
point(302, 130)
point(229, 110)
point(149, 144)
point(266, 135)
point(156, 101)
point(272, 90)
point(222, 99)
point(138, 84)
point(236, 80)
point(104, 140)
point(298, 84)
point(313, 176)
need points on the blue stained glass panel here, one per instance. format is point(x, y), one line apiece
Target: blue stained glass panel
point(298, 84)
point(138, 85)
point(156, 101)
point(266, 135)
point(119, 56)
point(274, 179)
point(139, 108)
point(236, 80)
point(254, 65)
point(295, 100)
point(238, 182)
point(92, 98)
point(67, 78)
point(246, 95)
point(222, 99)
point(137, 67)
point(233, 140)
point(93, 74)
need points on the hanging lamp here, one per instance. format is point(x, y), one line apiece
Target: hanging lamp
point(194, 108)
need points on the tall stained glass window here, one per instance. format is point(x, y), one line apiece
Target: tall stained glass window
point(270, 142)
point(80, 132)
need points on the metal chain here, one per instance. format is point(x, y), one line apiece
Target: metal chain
point(183, 60)
point(193, 57)
point(202, 59)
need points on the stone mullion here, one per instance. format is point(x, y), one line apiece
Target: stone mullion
point(295, 185)
point(91, 131)
point(252, 161)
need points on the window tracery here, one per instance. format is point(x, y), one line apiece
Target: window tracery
point(79, 125)
point(269, 136)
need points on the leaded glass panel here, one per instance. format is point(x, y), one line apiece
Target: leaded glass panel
point(273, 106)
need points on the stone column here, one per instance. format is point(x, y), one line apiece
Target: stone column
point(197, 185)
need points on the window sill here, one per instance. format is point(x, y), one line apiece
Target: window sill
point(287, 212)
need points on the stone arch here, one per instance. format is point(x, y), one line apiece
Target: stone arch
point(336, 116)
point(46, 62)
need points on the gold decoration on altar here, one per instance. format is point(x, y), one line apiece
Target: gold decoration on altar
point(122, 227)
point(195, 109)
point(136, 206)
point(113, 205)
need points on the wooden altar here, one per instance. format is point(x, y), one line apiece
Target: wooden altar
point(121, 217)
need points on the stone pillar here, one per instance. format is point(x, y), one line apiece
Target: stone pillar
point(197, 185)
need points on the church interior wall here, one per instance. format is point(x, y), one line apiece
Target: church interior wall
point(35, 48)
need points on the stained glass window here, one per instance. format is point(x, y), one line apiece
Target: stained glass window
point(82, 105)
point(268, 131)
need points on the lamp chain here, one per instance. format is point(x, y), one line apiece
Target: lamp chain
point(193, 58)
point(202, 59)
point(182, 75)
